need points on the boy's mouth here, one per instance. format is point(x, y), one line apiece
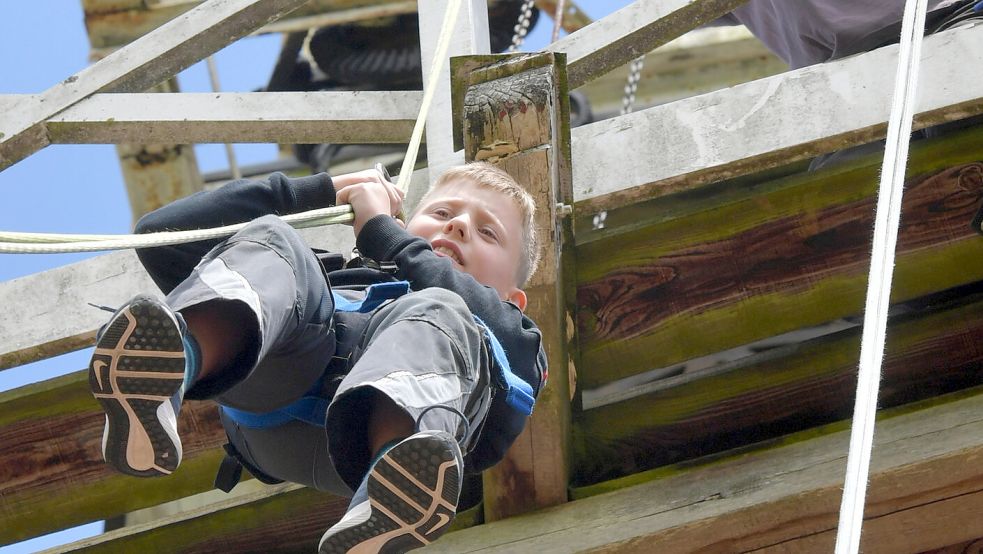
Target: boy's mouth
point(447, 249)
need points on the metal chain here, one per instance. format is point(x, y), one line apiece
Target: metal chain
point(522, 25)
point(631, 86)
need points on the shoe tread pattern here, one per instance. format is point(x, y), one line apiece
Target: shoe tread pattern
point(138, 364)
point(413, 491)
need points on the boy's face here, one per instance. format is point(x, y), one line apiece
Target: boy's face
point(479, 229)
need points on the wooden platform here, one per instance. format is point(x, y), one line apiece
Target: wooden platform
point(700, 302)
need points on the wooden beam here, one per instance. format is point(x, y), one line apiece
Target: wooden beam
point(114, 23)
point(633, 31)
point(926, 491)
point(741, 262)
point(157, 174)
point(52, 475)
point(574, 18)
point(287, 117)
point(470, 37)
point(276, 519)
point(141, 65)
point(47, 313)
point(516, 114)
point(766, 123)
point(773, 392)
point(698, 62)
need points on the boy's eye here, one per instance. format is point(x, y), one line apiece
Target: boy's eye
point(442, 212)
point(490, 233)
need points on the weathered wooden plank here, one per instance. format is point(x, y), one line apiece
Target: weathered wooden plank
point(774, 393)
point(926, 492)
point(732, 268)
point(141, 65)
point(281, 518)
point(52, 475)
point(574, 19)
point(47, 314)
point(348, 117)
point(974, 546)
point(767, 123)
point(516, 114)
point(157, 174)
point(631, 32)
point(114, 23)
point(292, 521)
point(698, 62)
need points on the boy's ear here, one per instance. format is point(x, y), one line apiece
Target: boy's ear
point(518, 297)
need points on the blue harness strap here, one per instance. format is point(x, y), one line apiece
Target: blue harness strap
point(312, 408)
point(518, 393)
point(375, 295)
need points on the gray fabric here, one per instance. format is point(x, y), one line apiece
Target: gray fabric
point(268, 267)
point(423, 349)
point(806, 32)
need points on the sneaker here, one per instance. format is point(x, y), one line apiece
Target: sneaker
point(137, 374)
point(407, 500)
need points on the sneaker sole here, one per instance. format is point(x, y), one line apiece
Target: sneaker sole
point(138, 365)
point(413, 492)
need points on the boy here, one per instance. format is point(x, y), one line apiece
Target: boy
point(390, 399)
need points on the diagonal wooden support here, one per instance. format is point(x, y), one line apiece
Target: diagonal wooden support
point(516, 115)
point(633, 31)
point(339, 117)
point(137, 67)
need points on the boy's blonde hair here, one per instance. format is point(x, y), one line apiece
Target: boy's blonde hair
point(488, 176)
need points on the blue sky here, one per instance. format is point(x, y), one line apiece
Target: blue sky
point(79, 188)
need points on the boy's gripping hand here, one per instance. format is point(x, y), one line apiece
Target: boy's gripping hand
point(369, 193)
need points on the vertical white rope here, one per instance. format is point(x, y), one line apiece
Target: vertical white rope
point(886, 225)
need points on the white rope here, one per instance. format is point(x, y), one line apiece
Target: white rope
point(886, 225)
point(51, 243)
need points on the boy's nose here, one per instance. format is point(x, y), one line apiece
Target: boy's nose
point(458, 225)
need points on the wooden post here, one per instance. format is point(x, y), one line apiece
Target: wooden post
point(516, 116)
point(158, 174)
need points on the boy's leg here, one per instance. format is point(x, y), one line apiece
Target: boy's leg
point(262, 309)
point(421, 384)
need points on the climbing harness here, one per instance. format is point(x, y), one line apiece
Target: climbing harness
point(312, 407)
point(886, 224)
point(50, 243)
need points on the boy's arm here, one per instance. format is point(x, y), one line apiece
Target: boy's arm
point(235, 202)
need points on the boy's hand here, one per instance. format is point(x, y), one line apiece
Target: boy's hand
point(369, 195)
point(369, 175)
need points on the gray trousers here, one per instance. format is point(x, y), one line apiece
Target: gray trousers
point(421, 350)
